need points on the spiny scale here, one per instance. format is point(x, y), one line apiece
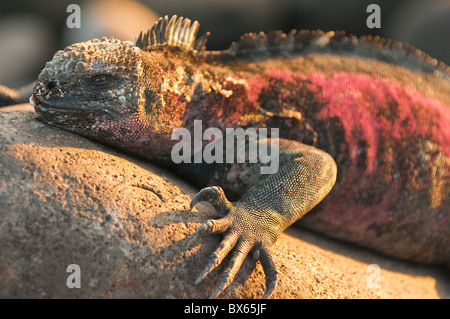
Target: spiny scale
point(257, 45)
point(177, 32)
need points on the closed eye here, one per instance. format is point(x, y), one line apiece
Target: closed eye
point(101, 81)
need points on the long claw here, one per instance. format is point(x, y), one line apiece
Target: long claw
point(237, 258)
point(219, 254)
point(270, 270)
point(211, 226)
point(216, 197)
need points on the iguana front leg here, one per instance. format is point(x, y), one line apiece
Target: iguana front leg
point(254, 222)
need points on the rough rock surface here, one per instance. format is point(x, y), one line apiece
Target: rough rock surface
point(66, 200)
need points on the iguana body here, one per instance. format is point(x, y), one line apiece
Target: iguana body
point(381, 110)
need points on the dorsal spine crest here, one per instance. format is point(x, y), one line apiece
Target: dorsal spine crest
point(177, 32)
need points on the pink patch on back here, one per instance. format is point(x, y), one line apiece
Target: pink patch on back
point(368, 105)
point(255, 85)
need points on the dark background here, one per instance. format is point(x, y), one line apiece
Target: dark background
point(31, 31)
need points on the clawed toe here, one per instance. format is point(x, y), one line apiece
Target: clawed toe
point(214, 195)
point(211, 226)
point(270, 271)
point(237, 258)
point(238, 241)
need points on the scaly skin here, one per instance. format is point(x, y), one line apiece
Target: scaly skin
point(380, 110)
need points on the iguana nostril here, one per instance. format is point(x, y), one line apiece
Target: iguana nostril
point(51, 85)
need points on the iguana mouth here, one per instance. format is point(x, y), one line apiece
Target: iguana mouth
point(64, 112)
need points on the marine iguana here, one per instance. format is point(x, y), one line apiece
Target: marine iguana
point(367, 115)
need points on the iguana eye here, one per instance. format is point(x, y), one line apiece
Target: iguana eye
point(101, 81)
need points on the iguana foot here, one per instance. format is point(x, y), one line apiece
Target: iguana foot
point(244, 230)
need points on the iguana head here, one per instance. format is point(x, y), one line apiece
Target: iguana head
point(119, 92)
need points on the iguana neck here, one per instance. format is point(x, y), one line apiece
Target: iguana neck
point(192, 87)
